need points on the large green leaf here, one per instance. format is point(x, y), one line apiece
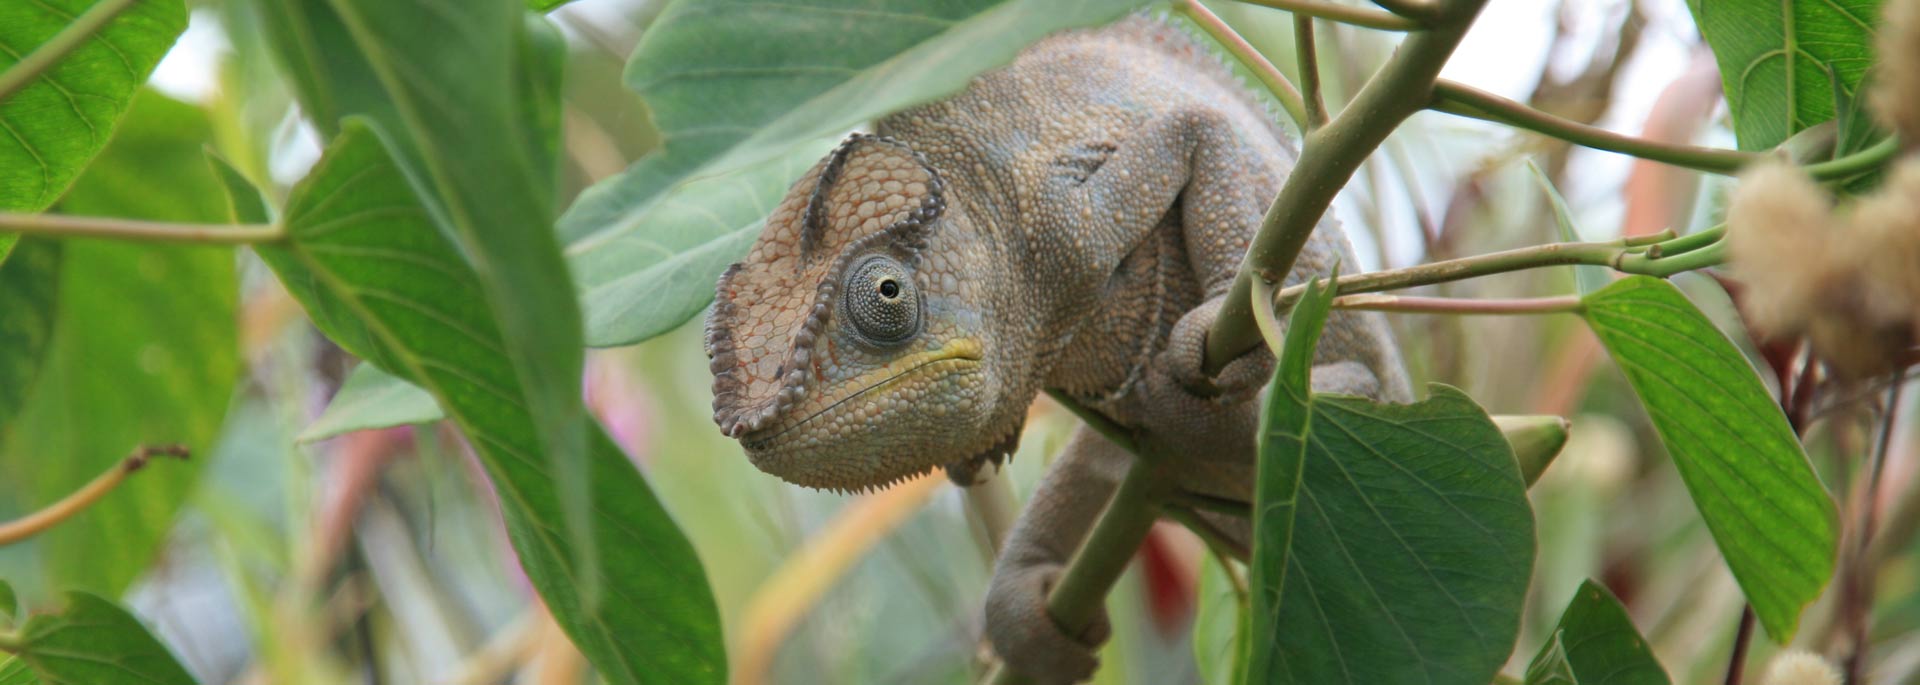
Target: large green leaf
point(1766, 508)
point(475, 120)
point(61, 119)
point(93, 641)
point(1412, 538)
point(143, 352)
point(732, 83)
point(1595, 644)
point(362, 246)
point(29, 283)
point(1782, 62)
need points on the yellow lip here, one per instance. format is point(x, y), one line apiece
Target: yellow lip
point(966, 350)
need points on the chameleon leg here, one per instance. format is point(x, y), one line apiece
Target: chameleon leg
point(1055, 523)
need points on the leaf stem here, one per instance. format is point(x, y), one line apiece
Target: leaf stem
point(60, 226)
point(38, 522)
point(1857, 163)
point(60, 45)
point(1269, 75)
point(1265, 318)
point(1564, 304)
point(1342, 13)
point(1463, 100)
point(1330, 157)
point(1309, 59)
point(1616, 254)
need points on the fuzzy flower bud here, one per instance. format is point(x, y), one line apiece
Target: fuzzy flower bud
point(1895, 97)
point(1797, 667)
point(1779, 244)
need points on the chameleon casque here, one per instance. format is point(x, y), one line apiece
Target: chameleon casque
point(1069, 222)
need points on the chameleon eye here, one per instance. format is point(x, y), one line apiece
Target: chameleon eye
point(881, 301)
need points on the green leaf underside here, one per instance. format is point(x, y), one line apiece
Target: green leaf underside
point(144, 351)
point(734, 83)
point(1595, 643)
point(53, 126)
point(1412, 537)
point(475, 128)
point(1781, 61)
point(367, 261)
point(93, 641)
point(371, 398)
point(1748, 475)
point(29, 286)
point(9, 604)
point(1283, 454)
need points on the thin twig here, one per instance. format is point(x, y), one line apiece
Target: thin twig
point(60, 45)
point(1269, 75)
point(1467, 101)
point(1737, 664)
point(38, 522)
point(1565, 304)
point(1341, 13)
point(1309, 59)
point(60, 226)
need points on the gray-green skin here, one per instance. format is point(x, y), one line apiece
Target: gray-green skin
point(1069, 222)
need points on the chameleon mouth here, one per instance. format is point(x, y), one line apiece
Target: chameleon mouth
point(963, 355)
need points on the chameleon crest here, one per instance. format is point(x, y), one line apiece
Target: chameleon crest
point(842, 315)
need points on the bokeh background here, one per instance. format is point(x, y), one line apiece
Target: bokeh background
point(379, 556)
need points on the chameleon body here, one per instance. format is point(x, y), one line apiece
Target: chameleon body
point(1070, 222)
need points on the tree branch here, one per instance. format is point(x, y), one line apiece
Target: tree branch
point(38, 522)
point(1332, 153)
point(1255, 62)
point(1463, 100)
point(59, 226)
point(60, 45)
point(1418, 10)
point(1342, 13)
point(1564, 304)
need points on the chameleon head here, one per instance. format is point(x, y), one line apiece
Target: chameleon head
point(849, 348)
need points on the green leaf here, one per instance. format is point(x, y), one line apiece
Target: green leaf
point(144, 351)
point(1767, 510)
point(7, 243)
point(371, 398)
point(93, 641)
point(1781, 62)
point(62, 118)
point(244, 203)
point(14, 672)
point(734, 83)
point(29, 287)
point(1595, 644)
point(9, 604)
point(1411, 541)
point(484, 154)
point(1283, 454)
point(363, 249)
point(1587, 277)
point(545, 5)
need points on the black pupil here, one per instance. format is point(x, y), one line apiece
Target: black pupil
point(889, 289)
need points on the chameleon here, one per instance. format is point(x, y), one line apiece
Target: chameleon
point(1070, 222)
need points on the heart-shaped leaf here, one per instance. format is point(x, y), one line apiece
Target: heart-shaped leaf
point(1782, 63)
point(91, 641)
point(1595, 643)
point(1411, 541)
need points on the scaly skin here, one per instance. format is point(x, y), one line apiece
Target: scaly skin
point(1070, 222)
